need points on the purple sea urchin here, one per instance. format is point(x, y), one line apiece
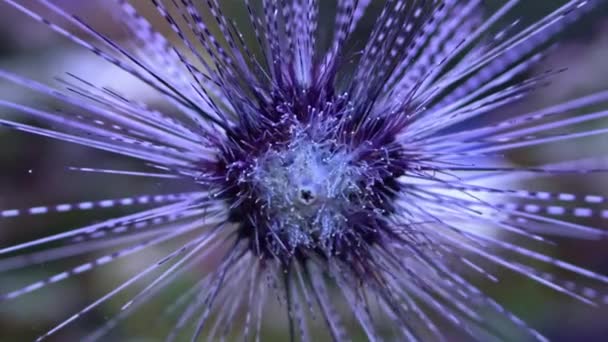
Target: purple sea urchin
point(379, 172)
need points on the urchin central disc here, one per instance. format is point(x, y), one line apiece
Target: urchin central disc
point(305, 189)
point(305, 174)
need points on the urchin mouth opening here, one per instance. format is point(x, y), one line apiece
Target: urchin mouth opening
point(306, 195)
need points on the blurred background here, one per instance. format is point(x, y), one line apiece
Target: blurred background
point(33, 171)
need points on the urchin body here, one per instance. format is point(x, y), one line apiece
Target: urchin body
point(307, 184)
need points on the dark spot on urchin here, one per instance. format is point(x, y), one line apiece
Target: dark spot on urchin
point(307, 196)
point(295, 192)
